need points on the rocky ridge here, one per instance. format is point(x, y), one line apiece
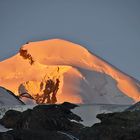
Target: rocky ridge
point(57, 122)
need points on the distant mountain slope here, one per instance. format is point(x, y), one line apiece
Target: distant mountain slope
point(7, 98)
point(83, 76)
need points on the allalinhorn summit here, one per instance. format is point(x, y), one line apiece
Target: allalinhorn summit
point(56, 70)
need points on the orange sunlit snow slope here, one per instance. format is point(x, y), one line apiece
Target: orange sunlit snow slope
point(84, 77)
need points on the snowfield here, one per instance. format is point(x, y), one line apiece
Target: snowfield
point(84, 77)
point(7, 98)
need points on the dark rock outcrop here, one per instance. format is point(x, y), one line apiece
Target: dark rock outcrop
point(11, 118)
point(114, 126)
point(24, 134)
point(26, 55)
point(54, 122)
point(43, 117)
point(43, 122)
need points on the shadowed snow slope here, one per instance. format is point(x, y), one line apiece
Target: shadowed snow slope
point(7, 98)
point(84, 77)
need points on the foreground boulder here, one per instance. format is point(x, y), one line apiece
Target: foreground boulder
point(43, 122)
point(25, 134)
point(114, 126)
point(43, 117)
point(55, 122)
point(11, 119)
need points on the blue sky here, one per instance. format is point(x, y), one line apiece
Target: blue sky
point(108, 28)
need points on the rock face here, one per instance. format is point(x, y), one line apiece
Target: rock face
point(26, 55)
point(48, 90)
point(114, 126)
point(10, 119)
point(45, 122)
point(49, 117)
point(54, 122)
point(33, 135)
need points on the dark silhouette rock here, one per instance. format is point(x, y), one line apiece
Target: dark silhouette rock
point(33, 135)
point(50, 91)
point(26, 55)
point(114, 126)
point(43, 117)
point(11, 118)
point(43, 122)
point(69, 105)
point(55, 122)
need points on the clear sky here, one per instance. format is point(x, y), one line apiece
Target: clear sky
point(108, 28)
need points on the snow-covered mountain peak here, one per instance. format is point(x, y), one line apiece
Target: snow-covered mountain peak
point(57, 51)
point(66, 71)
